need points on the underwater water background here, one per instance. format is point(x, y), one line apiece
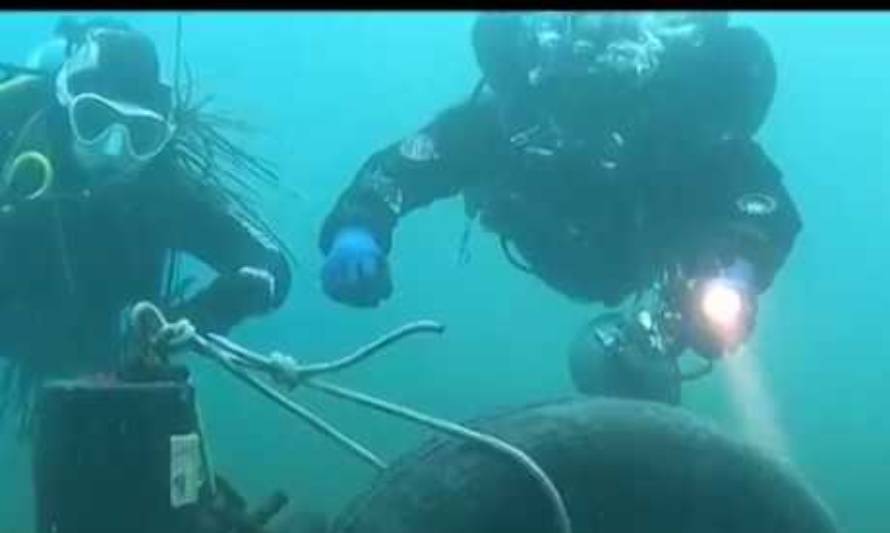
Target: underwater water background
point(326, 89)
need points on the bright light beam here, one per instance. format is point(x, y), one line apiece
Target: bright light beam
point(752, 402)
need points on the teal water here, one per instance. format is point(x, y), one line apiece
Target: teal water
point(324, 90)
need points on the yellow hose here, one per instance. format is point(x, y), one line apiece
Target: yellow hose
point(46, 172)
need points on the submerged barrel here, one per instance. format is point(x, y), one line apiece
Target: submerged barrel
point(622, 466)
point(113, 457)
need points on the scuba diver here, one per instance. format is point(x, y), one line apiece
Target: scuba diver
point(108, 176)
point(613, 155)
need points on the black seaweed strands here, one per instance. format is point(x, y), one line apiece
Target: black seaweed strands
point(202, 148)
point(17, 395)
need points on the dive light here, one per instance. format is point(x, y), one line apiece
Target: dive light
point(722, 312)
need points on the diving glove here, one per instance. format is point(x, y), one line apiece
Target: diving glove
point(356, 271)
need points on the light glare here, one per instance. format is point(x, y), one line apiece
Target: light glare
point(722, 305)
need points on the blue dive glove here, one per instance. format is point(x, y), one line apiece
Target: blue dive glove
point(356, 271)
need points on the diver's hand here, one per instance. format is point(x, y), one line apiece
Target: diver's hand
point(356, 271)
point(257, 287)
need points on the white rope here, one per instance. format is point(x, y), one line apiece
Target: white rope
point(162, 335)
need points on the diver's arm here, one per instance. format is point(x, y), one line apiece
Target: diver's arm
point(729, 83)
point(424, 167)
point(253, 274)
point(746, 212)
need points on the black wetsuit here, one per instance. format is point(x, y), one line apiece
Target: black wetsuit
point(73, 261)
point(676, 181)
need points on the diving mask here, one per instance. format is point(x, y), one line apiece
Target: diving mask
point(118, 128)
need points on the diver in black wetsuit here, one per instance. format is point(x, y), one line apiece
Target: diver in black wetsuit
point(614, 155)
point(106, 179)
